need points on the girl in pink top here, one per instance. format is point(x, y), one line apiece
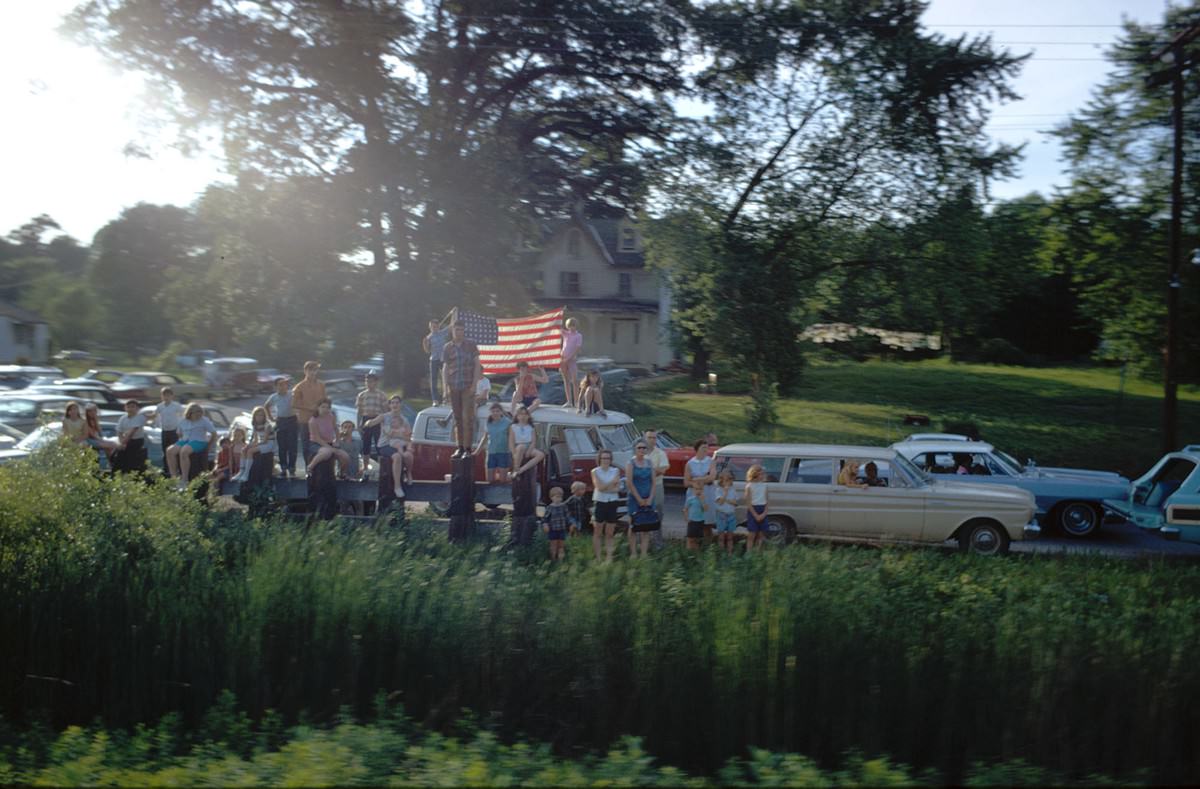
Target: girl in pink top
point(572, 345)
point(322, 431)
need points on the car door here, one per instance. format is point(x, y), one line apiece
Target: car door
point(797, 488)
point(894, 510)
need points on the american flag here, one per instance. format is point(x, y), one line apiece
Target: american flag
point(503, 342)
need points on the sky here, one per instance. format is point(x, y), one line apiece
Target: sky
point(70, 116)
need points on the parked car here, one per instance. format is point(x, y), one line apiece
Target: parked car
point(374, 363)
point(345, 409)
point(910, 506)
point(214, 413)
point(106, 377)
point(9, 436)
point(195, 358)
point(19, 376)
point(24, 411)
point(231, 374)
point(552, 392)
point(262, 380)
point(1167, 497)
point(52, 431)
point(76, 356)
point(145, 387)
point(570, 441)
point(101, 395)
point(678, 454)
point(1071, 499)
point(343, 390)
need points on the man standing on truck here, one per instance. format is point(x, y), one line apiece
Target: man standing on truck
point(305, 396)
point(460, 374)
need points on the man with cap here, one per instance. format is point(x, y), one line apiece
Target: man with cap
point(370, 403)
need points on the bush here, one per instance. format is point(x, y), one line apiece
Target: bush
point(1000, 351)
point(125, 601)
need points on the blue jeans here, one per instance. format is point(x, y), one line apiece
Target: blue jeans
point(286, 435)
point(435, 378)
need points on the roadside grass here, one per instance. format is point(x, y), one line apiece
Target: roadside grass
point(1058, 416)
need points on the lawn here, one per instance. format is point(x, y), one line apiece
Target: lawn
point(1057, 415)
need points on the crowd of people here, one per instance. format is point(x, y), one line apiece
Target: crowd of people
point(297, 421)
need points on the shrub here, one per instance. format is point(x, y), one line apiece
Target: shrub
point(1000, 351)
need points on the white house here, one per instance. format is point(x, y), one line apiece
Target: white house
point(23, 335)
point(597, 270)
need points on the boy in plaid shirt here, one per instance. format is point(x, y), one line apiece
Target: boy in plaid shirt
point(555, 523)
point(370, 403)
point(578, 514)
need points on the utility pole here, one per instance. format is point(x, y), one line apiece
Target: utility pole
point(1174, 73)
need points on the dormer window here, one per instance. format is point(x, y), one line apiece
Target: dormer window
point(573, 239)
point(628, 239)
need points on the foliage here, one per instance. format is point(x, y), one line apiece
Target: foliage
point(394, 749)
point(125, 602)
point(762, 412)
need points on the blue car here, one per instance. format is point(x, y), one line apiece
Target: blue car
point(1071, 499)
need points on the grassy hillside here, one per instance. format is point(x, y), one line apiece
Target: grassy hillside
point(1058, 416)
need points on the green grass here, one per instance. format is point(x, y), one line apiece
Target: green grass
point(1058, 416)
point(126, 601)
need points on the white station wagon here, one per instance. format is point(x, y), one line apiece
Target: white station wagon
point(901, 503)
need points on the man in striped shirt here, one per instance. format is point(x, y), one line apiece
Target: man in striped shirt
point(369, 404)
point(460, 373)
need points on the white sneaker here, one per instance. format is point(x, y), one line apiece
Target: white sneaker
point(398, 490)
point(181, 483)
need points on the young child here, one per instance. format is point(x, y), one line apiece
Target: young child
point(520, 443)
point(262, 440)
point(166, 418)
point(287, 428)
point(579, 515)
point(756, 507)
point(694, 510)
point(525, 386)
point(370, 403)
point(228, 457)
point(350, 445)
point(495, 435)
point(555, 523)
point(726, 504)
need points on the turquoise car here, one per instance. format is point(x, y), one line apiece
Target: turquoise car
point(1167, 497)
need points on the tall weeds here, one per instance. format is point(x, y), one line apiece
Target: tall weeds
point(125, 601)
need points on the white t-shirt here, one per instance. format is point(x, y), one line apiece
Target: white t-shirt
point(168, 415)
point(522, 434)
point(197, 430)
point(758, 493)
point(136, 423)
point(606, 478)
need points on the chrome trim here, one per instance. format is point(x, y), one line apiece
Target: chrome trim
point(1169, 533)
point(1031, 531)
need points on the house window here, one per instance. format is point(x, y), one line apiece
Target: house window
point(23, 333)
point(628, 240)
point(625, 286)
point(568, 283)
point(573, 244)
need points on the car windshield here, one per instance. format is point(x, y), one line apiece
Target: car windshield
point(40, 437)
point(135, 380)
point(618, 438)
point(909, 468)
point(1011, 464)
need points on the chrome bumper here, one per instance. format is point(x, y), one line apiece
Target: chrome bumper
point(1031, 531)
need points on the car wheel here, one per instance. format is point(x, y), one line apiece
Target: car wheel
point(1079, 518)
point(780, 530)
point(986, 538)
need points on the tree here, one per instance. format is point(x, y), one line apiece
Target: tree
point(1116, 148)
point(826, 116)
point(453, 126)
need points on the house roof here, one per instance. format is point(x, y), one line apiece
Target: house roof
point(9, 310)
point(606, 235)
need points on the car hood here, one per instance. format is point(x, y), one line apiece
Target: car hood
point(8, 455)
point(1005, 496)
point(1081, 474)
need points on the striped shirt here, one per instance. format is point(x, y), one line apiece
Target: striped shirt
point(460, 361)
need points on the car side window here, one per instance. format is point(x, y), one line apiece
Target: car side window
point(436, 432)
point(738, 465)
point(811, 471)
point(218, 418)
point(580, 441)
point(14, 408)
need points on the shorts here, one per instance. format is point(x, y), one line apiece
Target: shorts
point(528, 400)
point(606, 511)
point(499, 460)
point(695, 530)
point(197, 446)
point(726, 522)
point(752, 525)
point(556, 534)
